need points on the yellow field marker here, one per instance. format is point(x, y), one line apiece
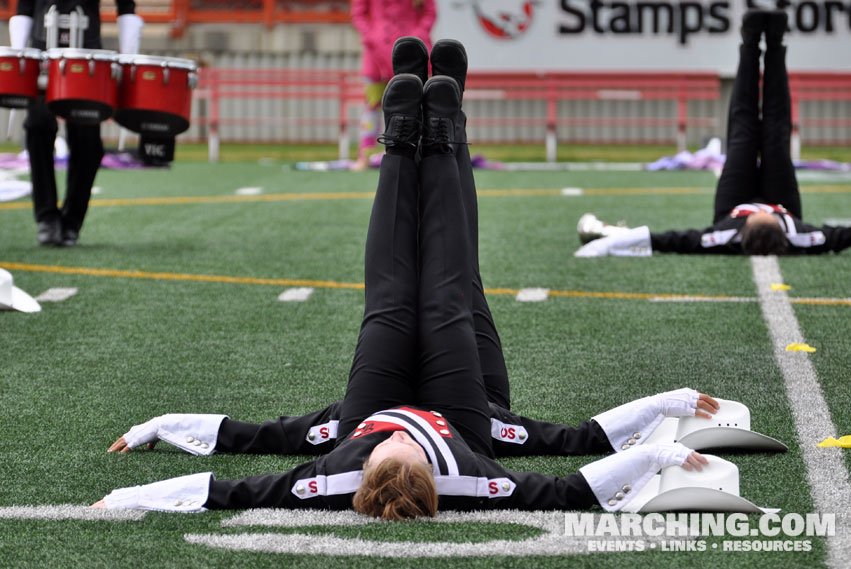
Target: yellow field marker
point(309, 196)
point(135, 274)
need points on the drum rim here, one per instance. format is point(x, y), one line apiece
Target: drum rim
point(27, 52)
point(80, 53)
point(157, 60)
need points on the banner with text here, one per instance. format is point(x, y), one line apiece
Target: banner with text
point(641, 35)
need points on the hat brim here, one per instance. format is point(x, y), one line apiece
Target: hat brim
point(22, 302)
point(702, 500)
point(731, 437)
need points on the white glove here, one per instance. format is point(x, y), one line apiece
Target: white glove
point(679, 403)
point(182, 494)
point(630, 424)
point(19, 31)
point(129, 32)
point(632, 243)
point(616, 479)
point(195, 433)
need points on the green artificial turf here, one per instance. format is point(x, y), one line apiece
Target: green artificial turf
point(77, 375)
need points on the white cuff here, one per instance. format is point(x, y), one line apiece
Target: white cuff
point(20, 28)
point(616, 479)
point(129, 32)
point(632, 243)
point(630, 424)
point(184, 494)
point(193, 432)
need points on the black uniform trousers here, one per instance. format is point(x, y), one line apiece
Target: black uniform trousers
point(748, 138)
point(85, 155)
point(417, 344)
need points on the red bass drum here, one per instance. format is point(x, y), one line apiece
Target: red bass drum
point(156, 94)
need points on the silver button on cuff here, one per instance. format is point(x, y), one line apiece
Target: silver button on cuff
point(627, 488)
point(506, 486)
point(619, 496)
point(190, 439)
point(612, 502)
point(440, 422)
point(436, 414)
point(299, 489)
point(311, 436)
point(636, 435)
point(443, 432)
point(521, 435)
point(630, 442)
point(624, 447)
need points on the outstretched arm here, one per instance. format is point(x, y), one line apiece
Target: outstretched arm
point(313, 433)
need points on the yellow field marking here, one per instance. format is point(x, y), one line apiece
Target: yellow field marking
point(360, 286)
point(176, 276)
point(328, 196)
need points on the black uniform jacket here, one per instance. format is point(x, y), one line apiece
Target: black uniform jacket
point(723, 237)
point(316, 433)
point(465, 480)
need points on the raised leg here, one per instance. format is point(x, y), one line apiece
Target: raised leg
point(778, 182)
point(739, 182)
point(384, 367)
point(450, 374)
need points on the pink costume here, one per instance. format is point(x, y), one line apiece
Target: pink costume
point(380, 23)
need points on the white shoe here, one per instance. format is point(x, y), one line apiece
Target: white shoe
point(591, 228)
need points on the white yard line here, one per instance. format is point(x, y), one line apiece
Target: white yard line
point(69, 512)
point(827, 473)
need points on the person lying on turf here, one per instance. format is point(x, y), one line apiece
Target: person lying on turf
point(415, 420)
point(749, 218)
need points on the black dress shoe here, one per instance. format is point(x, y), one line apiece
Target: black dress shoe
point(441, 102)
point(753, 24)
point(69, 237)
point(448, 57)
point(410, 55)
point(775, 27)
point(402, 108)
point(49, 232)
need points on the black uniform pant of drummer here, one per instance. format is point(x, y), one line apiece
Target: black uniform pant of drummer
point(417, 344)
point(750, 138)
point(85, 155)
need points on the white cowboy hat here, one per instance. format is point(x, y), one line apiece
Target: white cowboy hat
point(713, 489)
point(13, 298)
point(730, 427)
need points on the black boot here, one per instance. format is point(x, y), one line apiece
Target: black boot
point(753, 24)
point(441, 103)
point(448, 57)
point(410, 55)
point(402, 105)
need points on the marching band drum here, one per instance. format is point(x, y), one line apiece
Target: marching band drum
point(156, 94)
point(146, 94)
point(19, 70)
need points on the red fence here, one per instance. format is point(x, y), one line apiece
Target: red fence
point(817, 86)
point(346, 89)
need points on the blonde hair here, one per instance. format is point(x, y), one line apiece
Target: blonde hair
point(396, 490)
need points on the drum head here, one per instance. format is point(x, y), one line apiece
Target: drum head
point(80, 111)
point(151, 122)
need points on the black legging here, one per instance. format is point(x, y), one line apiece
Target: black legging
point(748, 138)
point(417, 344)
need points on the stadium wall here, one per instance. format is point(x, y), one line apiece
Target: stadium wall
point(334, 46)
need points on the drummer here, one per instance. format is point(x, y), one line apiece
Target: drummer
point(62, 227)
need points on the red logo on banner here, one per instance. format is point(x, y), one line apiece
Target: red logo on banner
point(506, 19)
